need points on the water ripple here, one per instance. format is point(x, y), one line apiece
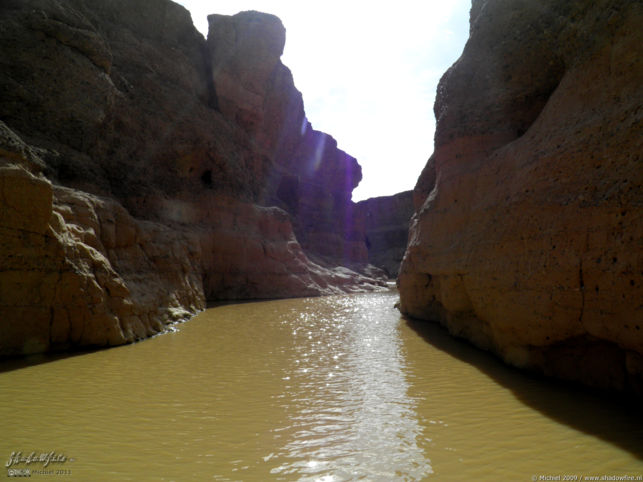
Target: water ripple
point(325, 389)
point(359, 378)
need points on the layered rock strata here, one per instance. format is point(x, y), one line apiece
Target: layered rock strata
point(134, 185)
point(527, 236)
point(386, 225)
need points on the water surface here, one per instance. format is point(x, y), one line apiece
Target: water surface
point(332, 388)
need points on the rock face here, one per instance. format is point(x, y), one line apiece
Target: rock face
point(144, 170)
point(309, 177)
point(77, 269)
point(386, 222)
point(527, 237)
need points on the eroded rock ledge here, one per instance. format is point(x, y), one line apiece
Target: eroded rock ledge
point(144, 170)
point(527, 237)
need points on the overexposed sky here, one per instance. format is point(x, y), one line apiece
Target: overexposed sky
point(368, 71)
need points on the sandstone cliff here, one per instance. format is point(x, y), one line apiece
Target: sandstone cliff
point(528, 232)
point(309, 177)
point(137, 182)
point(77, 269)
point(386, 223)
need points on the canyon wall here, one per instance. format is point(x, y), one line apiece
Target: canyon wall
point(528, 233)
point(144, 170)
point(386, 225)
point(309, 176)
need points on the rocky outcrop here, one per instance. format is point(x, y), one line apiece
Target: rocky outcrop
point(135, 187)
point(77, 269)
point(386, 225)
point(527, 233)
point(309, 177)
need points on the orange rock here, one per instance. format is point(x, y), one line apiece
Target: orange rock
point(60, 286)
point(527, 233)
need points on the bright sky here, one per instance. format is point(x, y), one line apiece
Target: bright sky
point(368, 71)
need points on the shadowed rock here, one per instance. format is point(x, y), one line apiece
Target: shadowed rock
point(136, 182)
point(386, 224)
point(309, 177)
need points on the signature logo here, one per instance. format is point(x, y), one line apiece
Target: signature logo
point(44, 458)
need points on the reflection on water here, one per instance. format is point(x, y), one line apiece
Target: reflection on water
point(350, 415)
point(334, 388)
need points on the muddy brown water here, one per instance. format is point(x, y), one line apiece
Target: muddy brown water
point(328, 389)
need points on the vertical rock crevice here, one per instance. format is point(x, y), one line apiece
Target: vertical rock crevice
point(581, 289)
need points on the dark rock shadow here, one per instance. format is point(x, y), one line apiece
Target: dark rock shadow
point(613, 417)
point(19, 362)
point(23, 361)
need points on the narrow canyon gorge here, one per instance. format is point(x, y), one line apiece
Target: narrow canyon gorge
point(146, 170)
